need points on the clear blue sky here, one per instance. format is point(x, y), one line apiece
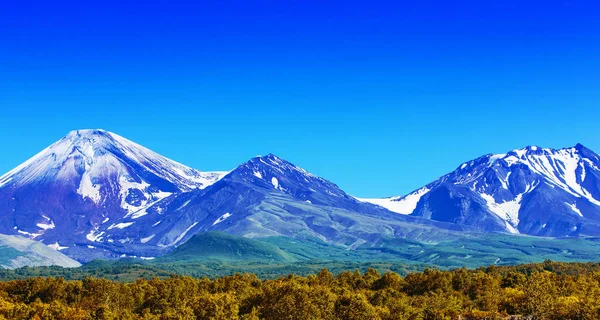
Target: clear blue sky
point(379, 97)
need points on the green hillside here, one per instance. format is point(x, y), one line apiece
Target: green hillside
point(218, 246)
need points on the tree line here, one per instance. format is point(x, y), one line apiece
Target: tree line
point(549, 290)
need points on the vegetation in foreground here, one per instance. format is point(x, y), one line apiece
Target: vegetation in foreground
point(129, 270)
point(547, 290)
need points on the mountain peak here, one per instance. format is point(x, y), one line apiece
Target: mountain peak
point(519, 155)
point(532, 148)
point(87, 135)
point(539, 150)
point(273, 161)
point(87, 132)
point(91, 143)
point(270, 171)
point(581, 148)
point(97, 161)
point(269, 156)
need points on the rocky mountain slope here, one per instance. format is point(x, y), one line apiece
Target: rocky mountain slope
point(534, 191)
point(77, 192)
point(268, 196)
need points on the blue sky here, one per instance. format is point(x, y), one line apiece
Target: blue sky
point(380, 98)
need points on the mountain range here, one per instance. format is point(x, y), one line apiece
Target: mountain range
point(94, 194)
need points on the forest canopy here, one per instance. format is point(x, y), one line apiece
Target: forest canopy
point(549, 290)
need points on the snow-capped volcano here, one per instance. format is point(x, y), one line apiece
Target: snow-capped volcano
point(96, 154)
point(85, 183)
point(532, 190)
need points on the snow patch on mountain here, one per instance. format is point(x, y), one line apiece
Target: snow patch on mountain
point(89, 190)
point(222, 218)
point(57, 247)
point(183, 234)
point(145, 240)
point(30, 235)
point(48, 224)
point(121, 225)
point(184, 204)
point(94, 235)
point(403, 205)
point(574, 208)
point(507, 210)
point(157, 197)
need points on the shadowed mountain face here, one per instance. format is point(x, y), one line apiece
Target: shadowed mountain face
point(268, 196)
point(533, 191)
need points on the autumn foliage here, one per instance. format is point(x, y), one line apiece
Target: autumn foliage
point(537, 291)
